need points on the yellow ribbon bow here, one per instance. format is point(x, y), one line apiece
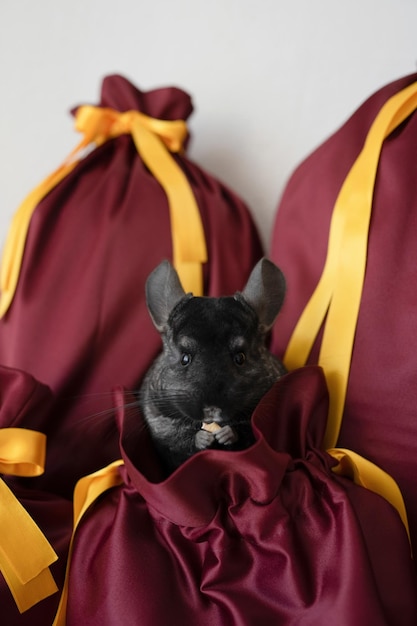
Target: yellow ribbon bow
point(25, 554)
point(154, 139)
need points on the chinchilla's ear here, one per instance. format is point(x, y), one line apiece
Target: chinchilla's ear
point(163, 291)
point(265, 291)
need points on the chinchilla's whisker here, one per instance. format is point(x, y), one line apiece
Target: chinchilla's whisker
point(106, 415)
point(91, 394)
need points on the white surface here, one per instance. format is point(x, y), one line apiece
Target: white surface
point(270, 80)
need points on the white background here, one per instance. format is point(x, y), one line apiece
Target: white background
point(270, 79)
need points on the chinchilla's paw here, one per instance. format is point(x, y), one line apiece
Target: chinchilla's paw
point(203, 439)
point(226, 436)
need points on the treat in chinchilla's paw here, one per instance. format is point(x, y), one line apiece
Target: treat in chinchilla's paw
point(211, 427)
point(214, 367)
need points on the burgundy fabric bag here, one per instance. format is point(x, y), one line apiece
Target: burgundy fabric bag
point(24, 403)
point(78, 320)
point(380, 409)
point(269, 535)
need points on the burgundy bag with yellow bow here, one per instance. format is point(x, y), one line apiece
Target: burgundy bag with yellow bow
point(35, 526)
point(345, 237)
point(73, 274)
point(271, 535)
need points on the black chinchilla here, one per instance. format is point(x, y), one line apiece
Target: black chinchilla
point(214, 367)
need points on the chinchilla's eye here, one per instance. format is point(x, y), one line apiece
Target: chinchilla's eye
point(239, 358)
point(185, 359)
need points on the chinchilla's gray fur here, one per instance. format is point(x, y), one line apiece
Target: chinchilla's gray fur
point(214, 365)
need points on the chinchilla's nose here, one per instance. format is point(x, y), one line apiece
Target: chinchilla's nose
point(212, 414)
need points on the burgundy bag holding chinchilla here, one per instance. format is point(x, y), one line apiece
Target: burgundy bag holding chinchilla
point(73, 304)
point(268, 535)
point(345, 237)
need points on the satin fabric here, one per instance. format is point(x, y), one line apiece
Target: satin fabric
point(78, 321)
point(268, 535)
point(24, 402)
point(379, 420)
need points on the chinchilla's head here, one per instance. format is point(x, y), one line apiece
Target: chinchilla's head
point(214, 365)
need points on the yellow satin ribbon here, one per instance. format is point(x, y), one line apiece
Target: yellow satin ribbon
point(370, 476)
point(339, 290)
point(87, 490)
point(154, 140)
point(25, 554)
